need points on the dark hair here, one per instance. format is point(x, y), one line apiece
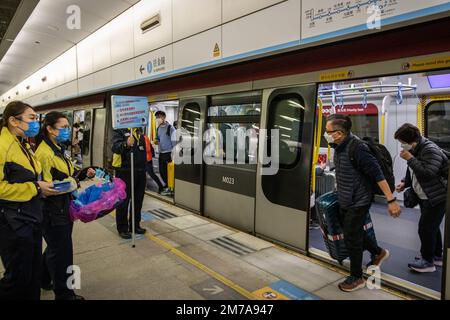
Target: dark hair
point(51, 119)
point(76, 125)
point(13, 109)
point(340, 122)
point(160, 113)
point(408, 133)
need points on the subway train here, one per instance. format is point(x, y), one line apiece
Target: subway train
point(379, 86)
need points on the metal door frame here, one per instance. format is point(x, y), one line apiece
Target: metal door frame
point(202, 101)
point(308, 92)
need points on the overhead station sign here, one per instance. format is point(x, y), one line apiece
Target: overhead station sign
point(331, 18)
point(129, 112)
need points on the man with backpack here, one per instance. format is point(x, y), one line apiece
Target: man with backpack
point(165, 134)
point(359, 174)
point(427, 178)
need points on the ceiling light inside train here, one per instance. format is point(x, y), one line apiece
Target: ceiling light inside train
point(192, 111)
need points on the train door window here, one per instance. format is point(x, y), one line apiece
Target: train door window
point(286, 114)
point(190, 116)
point(437, 115)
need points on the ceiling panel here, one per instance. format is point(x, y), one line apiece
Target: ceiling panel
point(45, 35)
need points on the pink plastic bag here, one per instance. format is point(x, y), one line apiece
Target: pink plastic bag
point(107, 203)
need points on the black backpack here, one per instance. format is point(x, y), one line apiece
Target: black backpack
point(383, 157)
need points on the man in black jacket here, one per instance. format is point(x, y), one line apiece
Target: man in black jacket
point(123, 143)
point(355, 194)
point(425, 175)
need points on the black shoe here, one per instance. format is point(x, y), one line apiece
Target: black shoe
point(47, 286)
point(125, 235)
point(140, 230)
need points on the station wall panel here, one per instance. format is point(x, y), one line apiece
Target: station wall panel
point(101, 48)
point(154, 63)
point(155, 38)
point(122, 72)
point(102, 79)
point(233, 9)
point(122, 37)
point(86, 84)
point(197, 50)
point(193, 16)
point(85, 57)
point(273, 26)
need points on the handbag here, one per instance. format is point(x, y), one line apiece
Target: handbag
point(410, 199)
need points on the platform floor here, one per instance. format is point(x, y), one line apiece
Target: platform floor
point(187, 257)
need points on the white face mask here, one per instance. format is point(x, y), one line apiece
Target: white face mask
point(328, 137)
point(406, 147)
point(158, 122)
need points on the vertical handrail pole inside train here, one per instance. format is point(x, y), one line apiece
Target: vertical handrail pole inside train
point(317, 143)
point(384, 114)
point(133, 219)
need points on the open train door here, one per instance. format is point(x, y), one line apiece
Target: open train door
point(189, 176)
point(283, 197)
point(446, 269)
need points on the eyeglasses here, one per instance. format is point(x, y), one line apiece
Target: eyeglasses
point(331, 132)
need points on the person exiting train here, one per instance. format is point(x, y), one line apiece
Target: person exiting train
point(355, 196)
point(125, 141)
point(150, 171)
point(20, 204)
point(165, 139)
point(57, 225)
point(425, 174)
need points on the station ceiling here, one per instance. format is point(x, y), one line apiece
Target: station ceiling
point(37, 32)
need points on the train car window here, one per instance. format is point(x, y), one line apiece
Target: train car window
point(437, 117)
point(364, 121)
point(243, 146)
point(235, 110)
point(191, 115)
point(286, 114)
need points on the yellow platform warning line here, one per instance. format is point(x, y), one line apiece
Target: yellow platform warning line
point(202, 267)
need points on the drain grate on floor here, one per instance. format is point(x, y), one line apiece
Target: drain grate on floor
point(232, 246)
point(163, 214)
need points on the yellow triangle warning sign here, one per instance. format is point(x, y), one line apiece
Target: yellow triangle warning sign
point(216, 52)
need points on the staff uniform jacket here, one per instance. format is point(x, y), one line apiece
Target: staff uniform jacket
point(122, 153)
point(20, 170)
point(56, 166)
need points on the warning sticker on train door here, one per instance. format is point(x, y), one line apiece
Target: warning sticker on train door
point(336, 75)
point(426, 64)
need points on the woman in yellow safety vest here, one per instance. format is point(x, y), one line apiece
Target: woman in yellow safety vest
point(57, 225)
point(20, 204)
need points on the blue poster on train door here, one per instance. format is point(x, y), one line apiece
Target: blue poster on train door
point(129, 112)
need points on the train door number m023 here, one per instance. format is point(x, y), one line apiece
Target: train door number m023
point(228, 180)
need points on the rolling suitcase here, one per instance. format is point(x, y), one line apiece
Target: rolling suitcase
point(327, 207)
point(171, 175)
point(325, 182)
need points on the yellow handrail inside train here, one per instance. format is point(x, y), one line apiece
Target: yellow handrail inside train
point(317, 140)
point(383, 127)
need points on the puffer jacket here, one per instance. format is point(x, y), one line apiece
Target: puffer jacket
point(426, 164)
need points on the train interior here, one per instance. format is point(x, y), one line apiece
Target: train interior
point(378, 107)
point(170, 108)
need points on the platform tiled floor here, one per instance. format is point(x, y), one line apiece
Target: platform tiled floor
point(175, 269)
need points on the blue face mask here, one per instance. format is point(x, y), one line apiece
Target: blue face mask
point(63, 135)
point(33, 128)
